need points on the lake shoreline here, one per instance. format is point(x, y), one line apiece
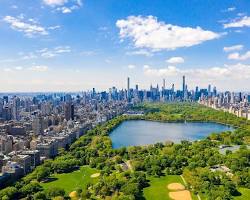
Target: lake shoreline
point(139, 133)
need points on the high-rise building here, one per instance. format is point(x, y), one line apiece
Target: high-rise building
point(172, 87)
point(183, 85)
point(214, 91)
point(68, 98)
point(6, 113)
point(69, 111)
point(1, 107)
point(128, 84)
point(5, 99)
point(15, 108)
point(6, 144)
point(46, 108)
point(209, 88)
point(38, 125)
point(164, 84)
point(72, 113)
point(128, 88)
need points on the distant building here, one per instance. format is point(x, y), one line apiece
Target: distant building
point(48, 149)
point(34, 155)
point(6, 144)
point(24, 161)
point(39, 124)
point(69, 111)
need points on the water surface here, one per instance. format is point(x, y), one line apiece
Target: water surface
point(140, 132)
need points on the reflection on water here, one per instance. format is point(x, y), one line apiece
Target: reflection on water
point(140, 132)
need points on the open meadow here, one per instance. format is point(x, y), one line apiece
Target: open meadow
point(71, 181)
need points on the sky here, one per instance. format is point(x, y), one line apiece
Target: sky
point(76, 45)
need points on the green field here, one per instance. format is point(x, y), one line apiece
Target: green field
point(245, 194)
point(71, 181)
point(158, 187)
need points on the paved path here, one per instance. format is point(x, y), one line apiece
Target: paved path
point(184, 181)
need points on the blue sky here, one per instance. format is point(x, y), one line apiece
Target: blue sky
point(74, 45)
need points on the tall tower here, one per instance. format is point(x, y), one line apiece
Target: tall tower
point(183, 86)
point(164, 83)
point(172, 87)
point(68, 112)
point(128, 84)
point(128, 87)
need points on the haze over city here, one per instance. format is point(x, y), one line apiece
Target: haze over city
point(75, 45)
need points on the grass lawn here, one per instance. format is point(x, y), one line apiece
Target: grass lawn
point(245, 194)
point(71, 181)
point(158, 187)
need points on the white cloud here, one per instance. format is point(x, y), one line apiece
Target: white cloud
point(64, 6)
point(131, 66)
point(233, 48)
point(55, 2)
point(175, 60)
point(54, 27)
point(19, 68)
point(79, 2)
point(226, 72)
point(142, 52)
point(29, 56)
point(241, 14)
point(50, 53)
point(62, 49)
point(88, 53)
point(237, 56)
point(14, 7)
point(231, 9)
point(66, 10)
point(30, 28)
point(167, 71)
point(39, 68)
point(244, 21)
point(148, 32)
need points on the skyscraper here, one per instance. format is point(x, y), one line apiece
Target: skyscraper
point(38, 125)
point(209, 88)
point(1, 107)
point(68, 111)
point(15, 108)
point(172, 88)
point(128, 88)
point(183, 86)
point(128, 84)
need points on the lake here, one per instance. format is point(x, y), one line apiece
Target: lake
point(140, 132)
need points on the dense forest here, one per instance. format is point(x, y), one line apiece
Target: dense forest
point(191, 159)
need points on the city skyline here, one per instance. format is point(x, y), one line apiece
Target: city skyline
point(75, 45)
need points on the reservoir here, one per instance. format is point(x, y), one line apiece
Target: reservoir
point(140, 132)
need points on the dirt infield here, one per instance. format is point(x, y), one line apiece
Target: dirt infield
point(179, 192)
point(176, 186)
point(95, 175)
point(180, 195)
point(73, 195)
